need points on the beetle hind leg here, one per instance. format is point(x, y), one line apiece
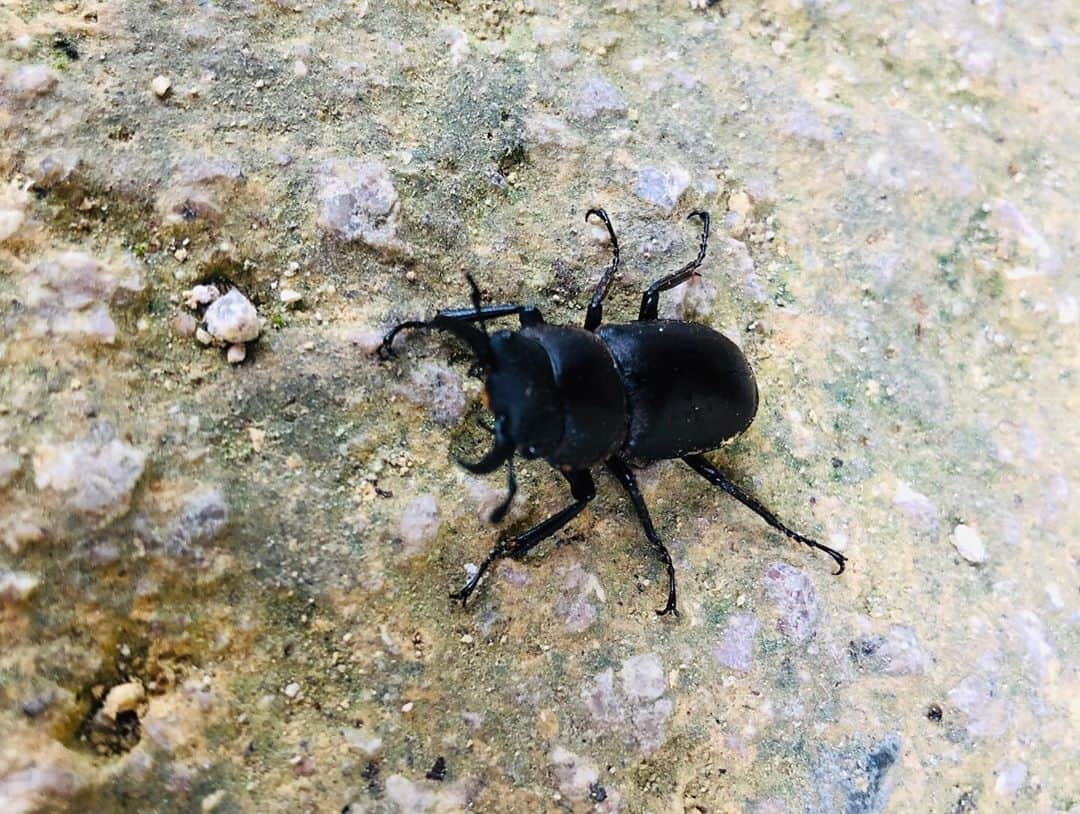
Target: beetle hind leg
point(583, 490)
point(700, 465)
point(595, 312)
point(621, 471)
point(650, 300)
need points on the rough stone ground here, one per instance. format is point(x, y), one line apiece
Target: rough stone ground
point(223, 586)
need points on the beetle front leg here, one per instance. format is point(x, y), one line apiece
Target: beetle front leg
point(700, 465)
point(621, 470)
point(583, 490)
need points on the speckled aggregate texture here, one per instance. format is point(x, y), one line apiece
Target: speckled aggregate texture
point(224, 568)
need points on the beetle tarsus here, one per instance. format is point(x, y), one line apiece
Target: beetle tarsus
point(622, 472)
point(700, 465)
point(595, 312)
point(516, 547)
point(650, 300)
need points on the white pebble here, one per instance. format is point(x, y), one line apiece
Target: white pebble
point(292, 689)
point(290, 295)
point(362, 740)
point(123, 698)
point(969, 544)
point(161, 85)
point(17, 586)
point(236, 353)
point(200, 295)
point(233, 318)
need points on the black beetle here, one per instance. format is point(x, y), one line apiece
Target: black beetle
point(620, 395)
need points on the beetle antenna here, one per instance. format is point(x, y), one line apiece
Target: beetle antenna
point(511, 485)
point(474, 292)
point(474, 295)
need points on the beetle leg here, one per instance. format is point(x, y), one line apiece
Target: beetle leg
point(700, 465)
point(596, 304)
point(621, 470)
point(650, 300)
point(583, 490)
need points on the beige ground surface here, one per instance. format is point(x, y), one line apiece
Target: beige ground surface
point(223, 587)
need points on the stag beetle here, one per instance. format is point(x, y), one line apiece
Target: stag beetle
point(620, 395)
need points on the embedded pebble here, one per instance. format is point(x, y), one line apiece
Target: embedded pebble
point(236, 353)
point(290, 296)
point(897, 653)
point(233, 319)
point(856, 778)
point(17, 586)
point(97, 474)
point(662, 187)
point(643, 677)
point(987, 709)
point(600, 698)
point(363, 741)
point(649, 724)
point(29, 81)
point(545, 130)
point(596, 97)
point(420, 524)
point(575, 607)
point(641, 711)
point(359, 202)
point(13, 202)
point(19, 529)
point(438, 388)
point(184, 325)
point(425, 796)
point(70, 294)
point(736, 647)
point(39, 788)
point(123, 698)
point(202, 518)
point(10, 464)
point(201, 188)
point(575, 775)
point(292, 689)
point(1034, 639)
point(917, 507)
point(969, 544)
point(366, 339)
point(54, 167)
point(1009, 779)
point(739, 202)
point(794, 597)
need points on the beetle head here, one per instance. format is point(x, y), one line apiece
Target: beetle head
point(521, 395)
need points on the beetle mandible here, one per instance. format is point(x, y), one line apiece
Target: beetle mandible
point(622, 395)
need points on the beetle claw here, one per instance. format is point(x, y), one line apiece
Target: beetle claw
point(841, 562)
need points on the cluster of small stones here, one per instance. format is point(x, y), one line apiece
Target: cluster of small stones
point(228, 320)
